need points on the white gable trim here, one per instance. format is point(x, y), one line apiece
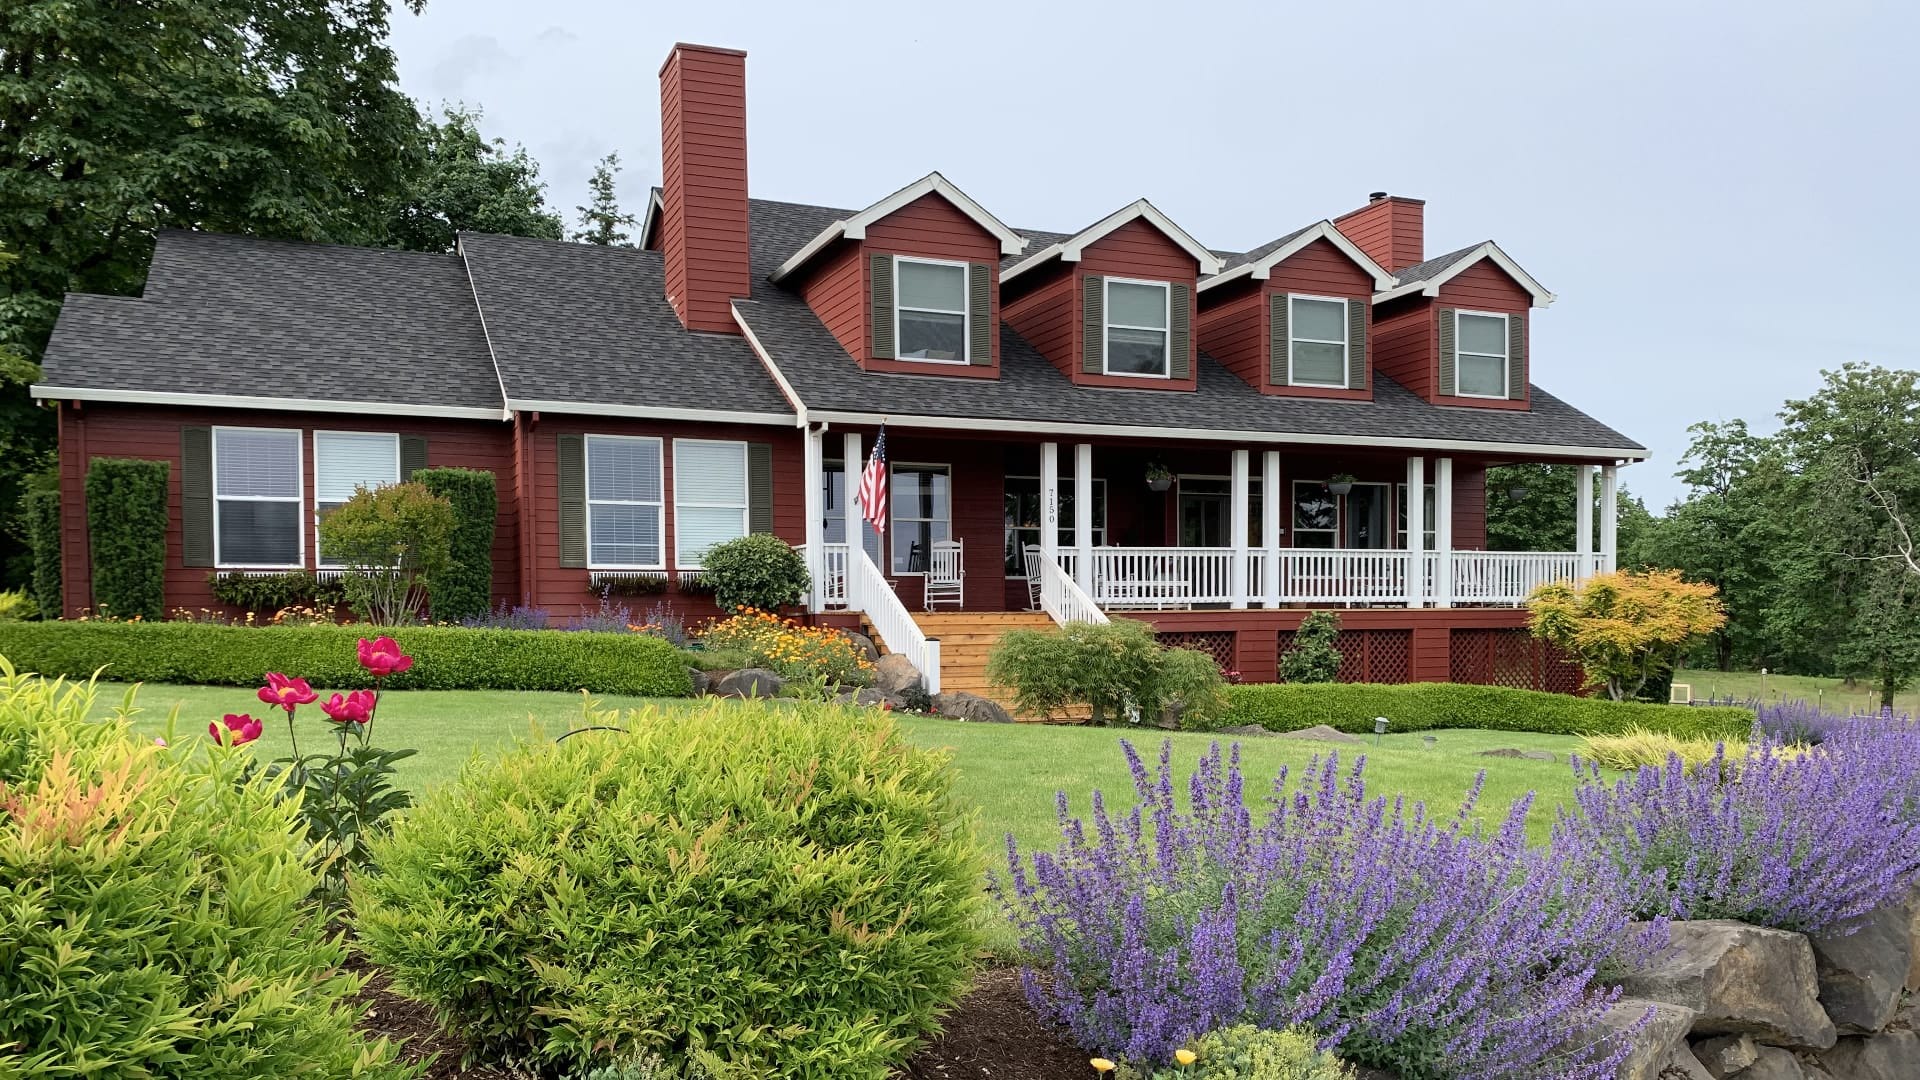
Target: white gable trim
point(1071, 249)
point(1489, 251)
point(650, 219)
point(1261, 269)
point(855, 227)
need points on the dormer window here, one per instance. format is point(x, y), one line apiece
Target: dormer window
point(931, 312)
point(1317, 326)
point(1481, 354)
point(1138, 314)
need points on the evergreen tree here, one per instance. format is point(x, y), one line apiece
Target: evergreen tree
point(601, 220)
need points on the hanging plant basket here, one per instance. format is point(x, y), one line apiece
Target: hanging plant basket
point(1340, 484)
point(1159, 477)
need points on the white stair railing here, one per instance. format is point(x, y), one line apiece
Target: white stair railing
point(1064, 599)
point(868, 591)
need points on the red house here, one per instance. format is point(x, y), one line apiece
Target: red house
point(1118, 420)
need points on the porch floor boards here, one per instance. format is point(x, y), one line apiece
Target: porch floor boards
point(966, 640)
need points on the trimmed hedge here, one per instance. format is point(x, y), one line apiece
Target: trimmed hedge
point(448, 657)
point(465, 590)
point(127, 534)
point(42, 512)
point(1351, 707)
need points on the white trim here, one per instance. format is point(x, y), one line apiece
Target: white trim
point(1099, 486)
point(480, 310)
point(1345, 342)
point(1074, 247)
point(965, 312)
point(651, 412)
point(587, 500)
point(299, 499)
point(894, 518)
point(44, 392)
point(1488, 250)
point(773, 369)
point(656, 208)
point(1506, 353)
point(746, 494)
point(315, 436)
point(1142, 431)
point(1107, 326)
point(855, 227)
point(1262, 268)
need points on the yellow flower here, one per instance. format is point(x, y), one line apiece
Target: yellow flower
point(1185, 1056)
point(1102, 1065)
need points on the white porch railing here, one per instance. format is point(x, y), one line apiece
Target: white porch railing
point(1160, 578)
point(1509, 577)
point(830, 580)
point(1064, 599)
point(868, 591)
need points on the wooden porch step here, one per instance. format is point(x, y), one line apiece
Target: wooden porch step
point(967, 639)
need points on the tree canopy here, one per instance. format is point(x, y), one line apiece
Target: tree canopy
point(466, 182)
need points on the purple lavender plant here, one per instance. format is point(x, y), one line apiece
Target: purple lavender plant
point(1405, 941)
point(1799, 721)
point(1799, 841)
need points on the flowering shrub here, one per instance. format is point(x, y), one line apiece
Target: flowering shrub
point(1798, 721)
point(788, 648)
point(1798, 842)
point(1403, 941)
point(510, 617)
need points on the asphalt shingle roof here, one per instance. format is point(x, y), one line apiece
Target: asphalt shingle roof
point(1421, 271)
point(266, 318)
point(1263, 250)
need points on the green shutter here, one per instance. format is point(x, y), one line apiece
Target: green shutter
point(760, 487)
point(1448, 361)
point(1093, 325)
point(196, 496)
point(1357, 344)
point(413, 455)
point(1516, 358)
point(1279, 344)
point(880, 311)
point(573, 500)
point(979, 314)
point(1180, 339)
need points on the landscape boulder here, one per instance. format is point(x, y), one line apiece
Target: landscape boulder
point(750, 682)
point(1773, 1063)
point(865, 644)
point(970, 707)
point(702, 682)
point(1913, 934)
point(1892, 1055)
point(1527, 755)
point(1725, 1055)
point(1254, 730)
point(1738, 979)
point(1654, 1043)
point(869, 697)
point(895, 675)
point(1685, 1065)
point(1864, 966)
point(1319, 733)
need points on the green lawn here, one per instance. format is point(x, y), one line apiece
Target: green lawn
point(1833, 694)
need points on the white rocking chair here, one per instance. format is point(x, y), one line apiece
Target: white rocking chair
point(1031, 556)
point(946, 575)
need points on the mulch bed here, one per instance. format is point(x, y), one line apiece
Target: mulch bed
point(990, 1035)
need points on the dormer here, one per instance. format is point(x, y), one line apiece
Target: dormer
point(911, 284)
point(1113, 304)
point(1455, 329)
point(1293, 317)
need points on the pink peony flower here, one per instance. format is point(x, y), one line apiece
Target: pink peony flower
point(239, 730)
point(355, 708)
point(382, 657)
point(286, 693)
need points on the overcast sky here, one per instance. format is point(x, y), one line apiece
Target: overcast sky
point(1723, 195)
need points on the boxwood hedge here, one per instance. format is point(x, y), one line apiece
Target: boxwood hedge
point(1422, 706)
point(447, 657)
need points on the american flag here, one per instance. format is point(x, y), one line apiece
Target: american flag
point(873, 484)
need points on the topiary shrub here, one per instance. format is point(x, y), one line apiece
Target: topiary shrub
point(154, 921)
point(759, 571)
point(767, 890)
point(1313, 658)
point(465, 590)
point(41, 508)
point(127, 536)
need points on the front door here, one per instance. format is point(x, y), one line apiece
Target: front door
point(1205, 508)
point(1367, 524)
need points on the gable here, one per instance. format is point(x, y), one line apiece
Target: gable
point(1137, 249)
point(1323, 269)
point(1485, 285)
point(933, 226)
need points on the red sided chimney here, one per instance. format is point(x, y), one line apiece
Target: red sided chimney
point(703, 183)
point(1390, 228)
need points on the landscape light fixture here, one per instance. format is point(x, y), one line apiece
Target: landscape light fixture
point(1379, 729)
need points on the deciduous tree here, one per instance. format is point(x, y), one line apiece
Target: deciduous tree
point(1626, 628)
point(467, 182)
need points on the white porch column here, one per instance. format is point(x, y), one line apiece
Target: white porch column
point(1270, 526)
point(1083, 516)
point(1416, 532)
point(1443, 530)
point(850, 465)
point(1609, 518)
point(1237, 530)
point(1049, 502)
point(813, 478)
point(1583, 520)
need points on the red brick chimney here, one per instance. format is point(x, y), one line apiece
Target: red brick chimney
point(1390, 228)
point(703, 183)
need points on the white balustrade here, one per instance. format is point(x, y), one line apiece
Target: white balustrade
point(1063, 598)
point(1161, 578)
point(868, 591)
point(831, 584)
point(1509, 577)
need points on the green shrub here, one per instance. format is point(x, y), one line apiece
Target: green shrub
point(769, 890)
point(153, 921)
point(1245, 1052)
point(1111, 667)
point(395, 541)
point(16, 606)
point(272, 592)
point(127, 535)
point(759, 571)
point(449, 657)
point(1351, 707)
point(1313, 658)
point(1190, 681)
point(41, 508)
point(465, 590)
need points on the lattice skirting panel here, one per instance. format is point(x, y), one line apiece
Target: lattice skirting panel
point(1222, 645)
point(1510, 657)
point(1375, 656)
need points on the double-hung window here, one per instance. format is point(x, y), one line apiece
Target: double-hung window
point(1316, 515)
point(930, 309)
point(709, 497)
point(344, 461)
point(922, 501)
point(1480, 354)
point(624, 486)
point(1317, 349)
point(257, 497)
point(1137, 319)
